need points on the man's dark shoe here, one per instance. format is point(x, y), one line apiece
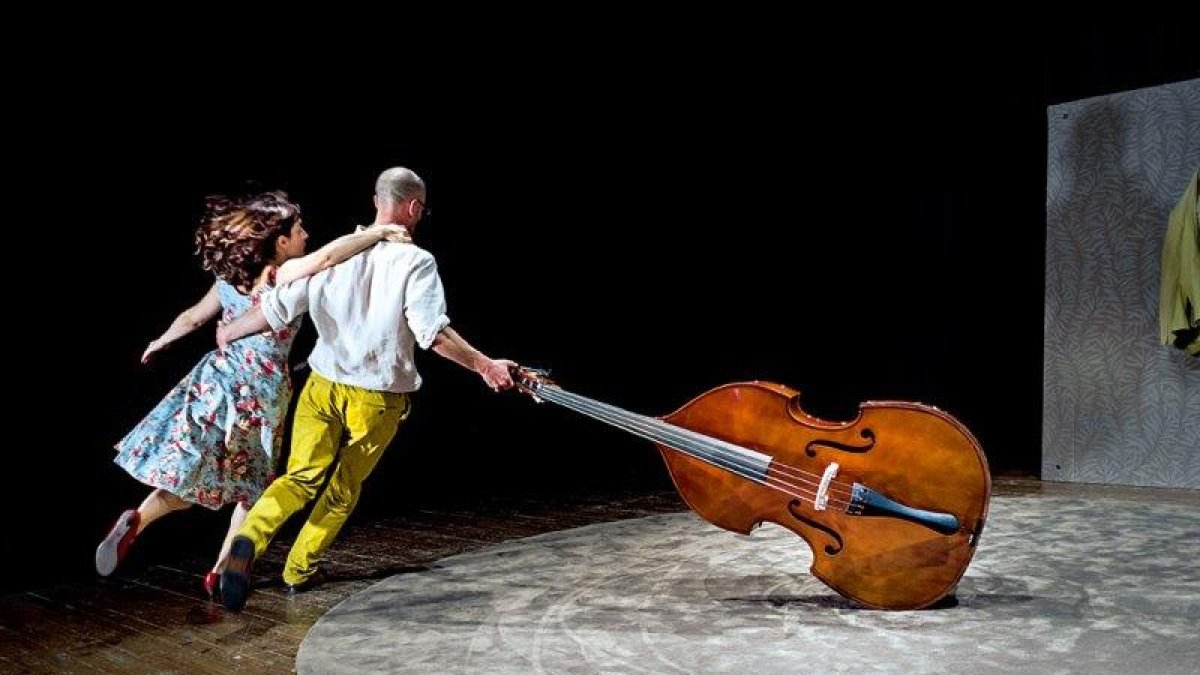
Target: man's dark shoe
point(308, 584)
point(235, 580)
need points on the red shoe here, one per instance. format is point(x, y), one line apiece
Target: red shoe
point(112, 550)
point(211, 580)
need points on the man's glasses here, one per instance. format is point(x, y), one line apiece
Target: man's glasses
point(425, 210)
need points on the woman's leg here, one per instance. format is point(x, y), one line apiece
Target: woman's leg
point(130, 524)
point(158, 504)
point(235, 524)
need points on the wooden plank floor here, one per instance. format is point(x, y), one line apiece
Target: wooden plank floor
point(157, 620)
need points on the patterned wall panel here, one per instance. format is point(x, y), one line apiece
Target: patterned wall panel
point(1118, 407)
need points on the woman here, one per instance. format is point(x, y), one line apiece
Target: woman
point(215, 438)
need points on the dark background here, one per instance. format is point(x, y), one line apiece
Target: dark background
point(649, 225)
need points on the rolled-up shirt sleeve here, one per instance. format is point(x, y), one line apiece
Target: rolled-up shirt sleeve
point(284, 303)
point(425, 303)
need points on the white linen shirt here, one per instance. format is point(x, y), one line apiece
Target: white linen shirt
point(369, 312)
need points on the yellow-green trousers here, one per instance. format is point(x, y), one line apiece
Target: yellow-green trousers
point(337, 428)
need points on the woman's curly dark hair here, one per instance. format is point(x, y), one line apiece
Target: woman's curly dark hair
point(237, 234)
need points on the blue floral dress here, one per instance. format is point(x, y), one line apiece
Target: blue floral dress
point(216, 437)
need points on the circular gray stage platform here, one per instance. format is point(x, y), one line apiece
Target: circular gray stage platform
point(1060, 585)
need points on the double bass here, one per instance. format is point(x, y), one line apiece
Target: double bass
point(892, 503)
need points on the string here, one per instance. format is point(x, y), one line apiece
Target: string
point(726, 458)
point(682, 434)
point(731, 461)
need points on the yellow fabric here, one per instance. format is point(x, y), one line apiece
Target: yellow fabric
point(340, 428)
point(1180, 289)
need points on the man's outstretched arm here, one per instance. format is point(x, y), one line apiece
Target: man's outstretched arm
point(450, 345)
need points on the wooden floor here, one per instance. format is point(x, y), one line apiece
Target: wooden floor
point(157, 619)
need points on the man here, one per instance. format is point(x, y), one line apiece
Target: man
point(370, 313)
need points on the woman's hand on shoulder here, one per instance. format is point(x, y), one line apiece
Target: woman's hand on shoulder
point(395, 233)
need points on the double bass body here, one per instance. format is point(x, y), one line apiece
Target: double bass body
point(907, 488)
